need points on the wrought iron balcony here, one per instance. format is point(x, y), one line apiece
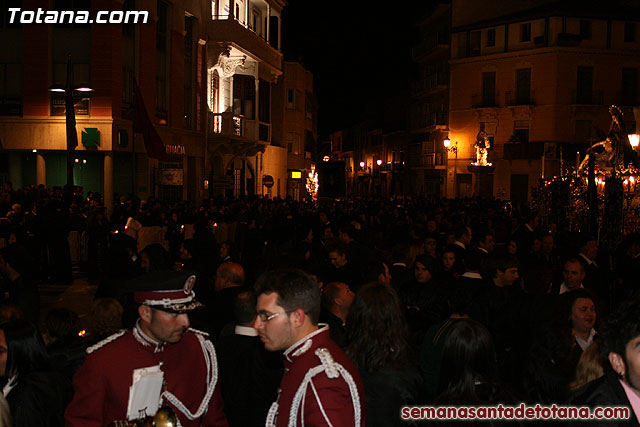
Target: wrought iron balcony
point(587, 97)
point(515, 98)
point(523, 151)
point(225, 124)
point(484, 100)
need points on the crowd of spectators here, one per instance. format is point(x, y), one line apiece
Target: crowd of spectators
point(446, 301)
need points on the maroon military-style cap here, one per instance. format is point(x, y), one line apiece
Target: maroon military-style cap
point(170, 291)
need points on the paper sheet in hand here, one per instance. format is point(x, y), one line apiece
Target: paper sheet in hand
point(144, 393)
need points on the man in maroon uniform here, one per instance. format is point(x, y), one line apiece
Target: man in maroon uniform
point(160, 340)
point(320, 385)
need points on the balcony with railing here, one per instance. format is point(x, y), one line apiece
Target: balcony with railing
point(434, 44)
point(226, 124)
point(522, 98)
point(432, 160)
point(587, 97)
point(426, 160)
point(430, 122)
point(523, 151)
point(431, 83)
point(484, 100)
point(223, 31)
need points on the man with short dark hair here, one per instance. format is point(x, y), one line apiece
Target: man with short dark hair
point(249, 374)
point(498, 307)
point(485, 241)
point(377, 271)
point(461, 246)
point(336, 302)
point(595, 277)
point(573, 274)
point(321, 386)
point(178, 364)
point(620, 385)
point(359, 255)
point(400, 271)
point(525, 234)
point(484, 244)
point(229, 282)
point(343, 270)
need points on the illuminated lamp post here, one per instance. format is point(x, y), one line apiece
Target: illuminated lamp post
point(450, 149)
point(70, 116)
point(376, 178)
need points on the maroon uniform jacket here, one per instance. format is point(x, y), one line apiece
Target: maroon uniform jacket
point(320, 386)
point(102, 384)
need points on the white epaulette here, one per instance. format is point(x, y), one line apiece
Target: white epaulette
point(195, 331)
point(330, 366)
point(106, 341)
point(211, 363)
point(333, 370)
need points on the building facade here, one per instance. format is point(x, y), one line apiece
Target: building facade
point(204, 71)
point(295, 127)
point(244, 62)
point(429, 113)
point(539, 83)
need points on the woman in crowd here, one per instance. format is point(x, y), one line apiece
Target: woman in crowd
point(469, 372)
point(37, 394)
point(391, 378)
point(154, 257)
point(424, 297)
point(590, 366)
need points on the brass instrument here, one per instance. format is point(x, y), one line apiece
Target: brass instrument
point(165, 417)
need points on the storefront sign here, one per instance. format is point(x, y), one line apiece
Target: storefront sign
point(57, 106)
point(175, 150)
point(223, 182)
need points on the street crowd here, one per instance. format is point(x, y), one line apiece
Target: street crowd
point(428, 302)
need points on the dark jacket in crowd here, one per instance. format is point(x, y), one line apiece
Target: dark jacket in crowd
point(249, 377)
point(23, 293)
point(39, 399)
point(388, 390)
point(605, 391)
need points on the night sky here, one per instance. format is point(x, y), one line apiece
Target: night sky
point(359, 53)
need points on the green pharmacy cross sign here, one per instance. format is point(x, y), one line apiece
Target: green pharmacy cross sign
point(91, 137)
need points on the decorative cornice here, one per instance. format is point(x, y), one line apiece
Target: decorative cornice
point(228, 65)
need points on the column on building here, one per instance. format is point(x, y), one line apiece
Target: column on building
point(41, 170)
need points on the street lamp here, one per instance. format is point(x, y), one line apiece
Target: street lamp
point(449, 148)
point(362, 165)
point(70, 116)
point(634, 140)
point(379, 162)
